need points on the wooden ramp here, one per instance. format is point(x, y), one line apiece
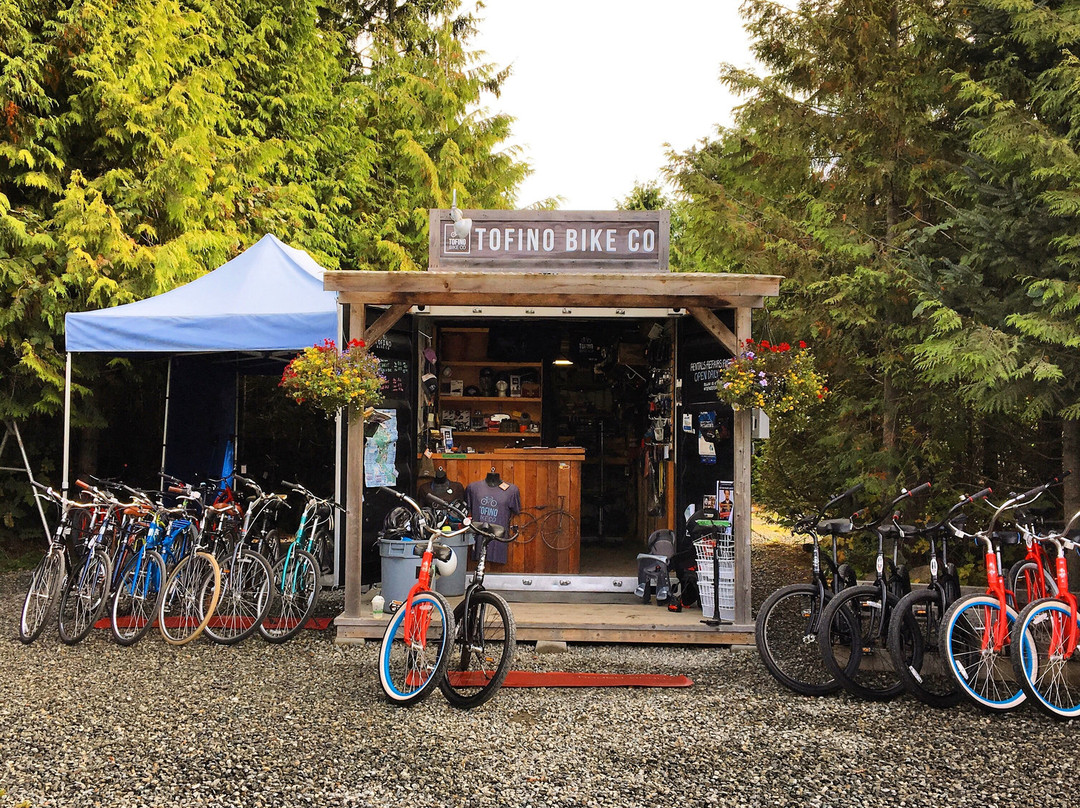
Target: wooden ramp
point(631, 622)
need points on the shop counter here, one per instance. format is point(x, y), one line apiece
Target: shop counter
point(548, 479)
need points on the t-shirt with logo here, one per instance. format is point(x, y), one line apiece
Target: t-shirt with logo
point(494, 504)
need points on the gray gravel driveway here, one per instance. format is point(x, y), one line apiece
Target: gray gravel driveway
point(304, 724)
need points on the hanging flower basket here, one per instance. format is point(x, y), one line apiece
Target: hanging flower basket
point(778, 379)
point(328, 379)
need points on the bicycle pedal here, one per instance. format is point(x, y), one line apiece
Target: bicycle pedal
point(393, 606)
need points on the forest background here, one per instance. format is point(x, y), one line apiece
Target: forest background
point(909, 166)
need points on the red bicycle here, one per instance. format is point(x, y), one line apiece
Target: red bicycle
point(975, 641)
point(1048, 632)
point(417, 642)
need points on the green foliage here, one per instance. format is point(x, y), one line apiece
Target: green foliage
point(144, 143)
point(147, 142)
point(833, 165)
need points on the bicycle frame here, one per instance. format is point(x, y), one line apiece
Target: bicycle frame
point(996, 631)
point(1064, 639)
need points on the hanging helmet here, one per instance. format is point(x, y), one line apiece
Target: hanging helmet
point(446, 562)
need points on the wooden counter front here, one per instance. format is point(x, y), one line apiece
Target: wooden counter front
point(547, 478)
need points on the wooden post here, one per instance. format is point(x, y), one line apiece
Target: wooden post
point(741, 505)
point(354, 494)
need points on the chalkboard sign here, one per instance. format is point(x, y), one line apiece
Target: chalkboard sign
point(395, 373)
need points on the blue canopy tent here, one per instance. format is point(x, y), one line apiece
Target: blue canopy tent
point(269, 298)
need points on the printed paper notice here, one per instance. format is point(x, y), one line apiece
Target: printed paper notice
point(379, 453)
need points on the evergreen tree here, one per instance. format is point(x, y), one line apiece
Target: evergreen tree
point(833, 165)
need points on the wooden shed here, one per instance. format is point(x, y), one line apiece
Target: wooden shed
point(498, 286)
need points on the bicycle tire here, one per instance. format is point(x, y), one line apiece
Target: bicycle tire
point(558, 530)
point(987, 678)
point(187, 603)
point(785, 633)
point(859, 611)
point(1050, 678)
point(523, 526)
point(135, 602)
point(246, 598)
point(929, 681)
point(1024, 584)
point(84, 598)
point(42, 595)
point(294, 597)
point(410, 671)
point(485, 641)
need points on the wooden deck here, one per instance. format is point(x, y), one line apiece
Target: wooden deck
point(626, 622)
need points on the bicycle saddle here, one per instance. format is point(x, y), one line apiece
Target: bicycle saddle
point(441, 551)
point(835, 527)
point(490, 530)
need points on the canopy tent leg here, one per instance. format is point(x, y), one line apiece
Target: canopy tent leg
point(165, 424)
point(66, 478)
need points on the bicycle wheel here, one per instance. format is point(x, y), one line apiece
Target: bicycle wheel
point(1024, 583)
point(967, 648)
point(858, 615)
point(84, 599)
point(188, 601)
point(785, 633)
point(295, 594)
point(42, 595)
point(416, 649)
point(558, 530)
point(135, 602)
point(246, 597)
point(930, 681)
point(485, 640)
point(523, 527)
point(1048, 674)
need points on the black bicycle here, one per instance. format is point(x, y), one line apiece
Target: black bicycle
point(854, 629)
point(787, 624)
point(485, 638)
point(929, 680)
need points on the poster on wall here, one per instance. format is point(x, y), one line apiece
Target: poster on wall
point(725, 502)
point(380, 450)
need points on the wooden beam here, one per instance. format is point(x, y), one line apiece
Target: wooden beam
point(743, 440)
point(387, 320)
point(598, 289)
point(354, 494)
point(711, 323)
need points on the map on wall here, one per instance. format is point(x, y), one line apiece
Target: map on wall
point(379, 453)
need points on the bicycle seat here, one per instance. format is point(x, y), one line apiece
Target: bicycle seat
point(893, 532)
point(835, 527)
point(441, 551)
point(489, 530)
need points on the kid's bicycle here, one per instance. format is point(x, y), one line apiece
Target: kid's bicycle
point(418, 641)
point(485, 638)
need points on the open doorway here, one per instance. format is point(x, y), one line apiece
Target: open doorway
point(611, 386)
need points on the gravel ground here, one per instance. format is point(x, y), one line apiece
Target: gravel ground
point(305, 724)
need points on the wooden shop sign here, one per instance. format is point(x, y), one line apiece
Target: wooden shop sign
point(525, 240)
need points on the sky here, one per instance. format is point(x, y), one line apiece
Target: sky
point(599, 86)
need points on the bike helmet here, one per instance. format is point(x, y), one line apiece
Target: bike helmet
point(446, 566)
